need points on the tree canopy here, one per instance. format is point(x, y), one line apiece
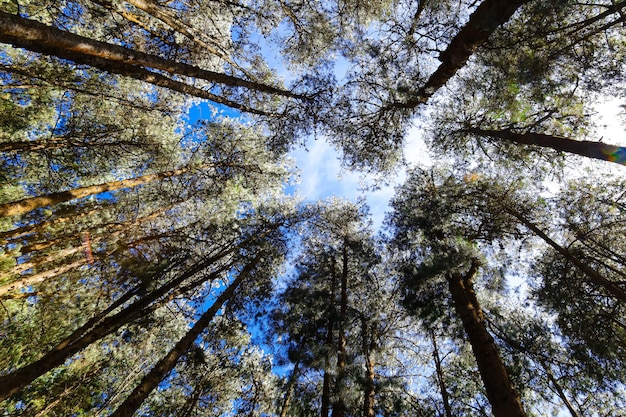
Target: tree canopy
point(156, 261)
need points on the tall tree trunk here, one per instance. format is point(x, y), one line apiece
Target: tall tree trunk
point(111, 229)
point(39, 262)
point(28, 280)
point(59, 143)
point(559, 390)
point(505, 402)
point(101, 60)
point(339, 406)
point(593, 275)
point(166, 364)
point(37, 37)
point(440, 377)
point(289, 391)
point(98, 328)
point(369, 388)
point(170, 19)
point(589, 149)
point(38, 228)
point(192, 400)
point(39, 277)
point(482, 23)
point(330, 325)
point(29, 204)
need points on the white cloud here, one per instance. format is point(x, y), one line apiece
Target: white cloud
point(322, 176)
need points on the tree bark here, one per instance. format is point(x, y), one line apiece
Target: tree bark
point(559, 390)
point(482, 23)
point(339, 406)
point(593, 275)
point(39, 277)
point(589, 149)
point(39, 262)
point(37, 37)
point(505, 402)
point(37, 228)
point(33, 203)
point(42, 275)
point(289, 392)
point(166, 364)
point(96, 329)
point(110, 229)
point(369, 389)
point(330, 325)
point(440, 377)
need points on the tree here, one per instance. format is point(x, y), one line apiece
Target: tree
point(591, 220)
point(539, 350)
point(379, 102)
point(167, 363)
point(146, 249)
point(442, 246)
point(338, 317)
point(167, 282)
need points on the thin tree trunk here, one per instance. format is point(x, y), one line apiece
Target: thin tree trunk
point(505, 402)
point(440, 377)
point(36, 247)
point(326, 389)
point(92, 372)
point(594, 276)
point(166, 364)
point(58, 143)
point(38, 262)
point(289, 392)
point(329, 342)
point(28, 280)
point(37, 37)
point(39, 277)
point(38, 228)
point(35, 145)
point(29, 204)
point(369, 390)
point(482, 23)
point(190, 403)
point(559, 391)
point(589, 149)
point(100, 326)
point(165, 16)
point(110, 230)
point(339, 407)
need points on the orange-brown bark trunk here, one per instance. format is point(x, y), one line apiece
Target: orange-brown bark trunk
point(505, 402)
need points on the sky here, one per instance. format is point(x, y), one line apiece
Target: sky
point(319, 163)
point(322, 176)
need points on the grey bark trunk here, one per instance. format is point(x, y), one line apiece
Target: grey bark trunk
point(101, 325)
point(166, 364)
point(440, 377)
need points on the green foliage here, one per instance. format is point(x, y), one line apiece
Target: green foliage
point(149, 259)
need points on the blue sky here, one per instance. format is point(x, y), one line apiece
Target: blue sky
point(322, 176)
